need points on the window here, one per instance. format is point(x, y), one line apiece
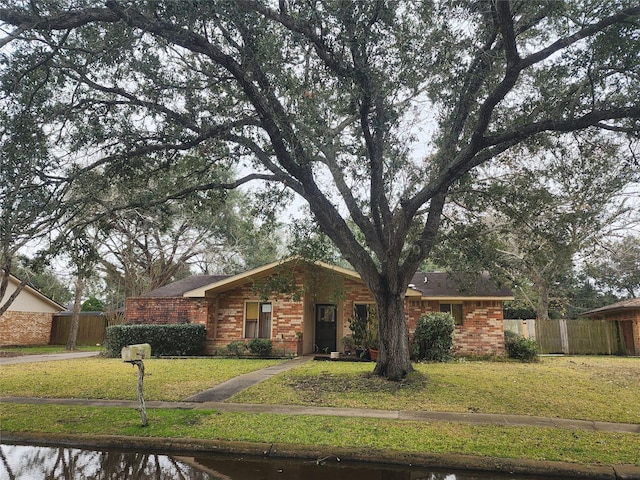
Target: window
point(455, 309)
point(257, 320)
point(364, 310)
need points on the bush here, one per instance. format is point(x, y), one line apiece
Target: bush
point(171, 340)
point(521, 348)
point(261, 347)
point(433, 337)
point(236, 348)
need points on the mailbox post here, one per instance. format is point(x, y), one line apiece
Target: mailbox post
point(134, 354)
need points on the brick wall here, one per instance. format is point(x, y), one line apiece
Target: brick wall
point(228, 322)
point(154, 310)
point(25, 328)
point(482, 331)
point(355, 292)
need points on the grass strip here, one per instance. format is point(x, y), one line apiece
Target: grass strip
point(587, 448)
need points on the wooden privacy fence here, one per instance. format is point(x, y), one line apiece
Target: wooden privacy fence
point(575, 337)
point(91, 330)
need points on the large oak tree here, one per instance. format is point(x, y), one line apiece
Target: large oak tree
point(327, 97)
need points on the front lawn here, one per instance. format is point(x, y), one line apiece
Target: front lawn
point(588, 388)
point(111, 378)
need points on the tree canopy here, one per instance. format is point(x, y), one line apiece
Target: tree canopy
point(370, 110)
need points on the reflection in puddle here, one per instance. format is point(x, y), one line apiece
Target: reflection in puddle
point(18, 462)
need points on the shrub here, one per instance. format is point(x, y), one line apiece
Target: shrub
point(171, 340)
point(433, 337)
point(261, 347)
point(521, 348)
point(236, 348)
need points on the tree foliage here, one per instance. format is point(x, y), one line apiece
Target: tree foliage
point(527, 219)
point(325, 99)
point(616, 266)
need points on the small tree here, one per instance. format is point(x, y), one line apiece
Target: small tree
point(433, 337)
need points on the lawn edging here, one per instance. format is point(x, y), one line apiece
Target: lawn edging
point(190, 447)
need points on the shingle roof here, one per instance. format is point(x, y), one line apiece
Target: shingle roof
point(178, 288)
point(443, 284)
point(432, 284)
point(622, 305)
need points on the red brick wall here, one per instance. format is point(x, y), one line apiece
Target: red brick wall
point(228, 326)
point(25, 328)
point(170, 310)
point(355, 292)
point(482, 331)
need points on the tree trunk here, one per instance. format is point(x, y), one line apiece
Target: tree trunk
point(393, 356)
point(542, 307)
point(75, 318)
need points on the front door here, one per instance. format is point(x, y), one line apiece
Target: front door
point(325, 328)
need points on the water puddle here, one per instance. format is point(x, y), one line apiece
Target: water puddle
point(20, 462)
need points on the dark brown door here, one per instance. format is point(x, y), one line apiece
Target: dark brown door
point(325, 328)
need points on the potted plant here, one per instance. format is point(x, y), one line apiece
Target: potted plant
point(358, 327)
point(349, 344)
point(365, 332)
point(371, 341)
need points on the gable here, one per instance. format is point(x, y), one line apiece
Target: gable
point(251, 276)
point(29, 299)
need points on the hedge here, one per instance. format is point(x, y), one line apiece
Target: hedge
point(184, 339)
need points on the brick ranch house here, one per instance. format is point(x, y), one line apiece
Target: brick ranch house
point(627, 314)
point(319, 301)
point(29, 317)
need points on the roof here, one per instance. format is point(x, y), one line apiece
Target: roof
point(458, 286)
point(633, 303)
point(180, 287)
point(436, 285)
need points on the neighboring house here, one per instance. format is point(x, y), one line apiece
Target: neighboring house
point(318, 302)
point(28, 319)
point(627, 314)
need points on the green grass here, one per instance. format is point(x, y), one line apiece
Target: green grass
point(165, 379)
point(402, 436)
point(588, 388)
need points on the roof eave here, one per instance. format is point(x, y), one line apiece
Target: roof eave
point(469, 299)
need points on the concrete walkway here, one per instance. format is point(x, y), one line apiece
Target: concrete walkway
point(231, 387)
point(46, 357)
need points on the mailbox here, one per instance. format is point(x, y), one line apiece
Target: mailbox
point(136, 352)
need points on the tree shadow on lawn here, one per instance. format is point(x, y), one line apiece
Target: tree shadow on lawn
point(313, 387)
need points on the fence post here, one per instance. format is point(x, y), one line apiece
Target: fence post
point(564, 336)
